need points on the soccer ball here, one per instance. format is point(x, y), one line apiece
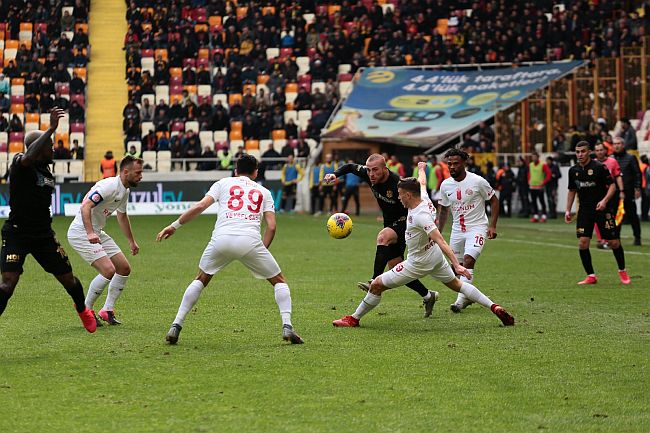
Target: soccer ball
point(339, 226)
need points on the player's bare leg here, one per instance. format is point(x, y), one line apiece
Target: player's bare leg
point(461, 300)
point(283, 299)
point(474, 294)
point(7, 286)
point(370, 301)
point(190, 298)
point(385, 256)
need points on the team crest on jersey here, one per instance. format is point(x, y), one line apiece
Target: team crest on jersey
point(469, 191)
point(389, 194)
point(590, 172)
point(399, 268)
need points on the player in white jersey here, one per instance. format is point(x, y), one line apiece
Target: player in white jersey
point(426, 247)
point(242, 204)
point(86, 235)
point(466, 193)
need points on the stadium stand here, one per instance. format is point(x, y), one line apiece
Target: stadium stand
point(274, 70)
point(44, 51)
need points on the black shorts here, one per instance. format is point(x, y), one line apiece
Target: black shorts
point(289, 189)
point(46, 250)
point(605, 220)
point(397, 249)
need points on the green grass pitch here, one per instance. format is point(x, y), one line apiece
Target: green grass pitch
point(576, 361)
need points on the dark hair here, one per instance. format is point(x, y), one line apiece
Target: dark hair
point(129, 160)
point(409, 184)
point(246, 164)
point(457, 152)
point(583, 143)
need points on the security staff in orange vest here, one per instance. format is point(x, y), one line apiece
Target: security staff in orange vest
point(108, 165)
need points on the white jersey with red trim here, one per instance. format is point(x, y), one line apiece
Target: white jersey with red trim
point(419, 224)
point(108, 195)
point(467, 200)
point(241, 204)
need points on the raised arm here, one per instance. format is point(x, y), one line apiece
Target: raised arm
point(196, 210)
point(36, 148)
point(422, 178)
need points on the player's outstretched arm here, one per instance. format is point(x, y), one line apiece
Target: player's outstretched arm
point(269, 232)
point(196, 210)
point(436, 237)
point(125, 226)
point(36, 148)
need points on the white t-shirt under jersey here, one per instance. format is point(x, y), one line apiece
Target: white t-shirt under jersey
point(241, 204)
point(419, 224)
point(467, 200)
point(108, 195)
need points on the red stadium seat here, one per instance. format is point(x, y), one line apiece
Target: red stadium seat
point(77, 127)
point(16, 136)
point(178, 126)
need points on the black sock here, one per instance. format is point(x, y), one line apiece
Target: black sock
point(381, 260)
point(620, 257)
point(76, 292)
point(585, 256)
point(418, 287)
point(4, 298)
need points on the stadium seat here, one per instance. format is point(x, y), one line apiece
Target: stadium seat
point(192, 125)
point(79, 136)
point(235, 135)
point(262, 79)
point(77, 127)
point(220, 136)
point(220, 97)
point(234, 145)
point(4, 137)
point(148, 65)
point(164, 166)
point(204, 90)
point(60, 167)
point(148, 126)
point(31, 127)
point(76, 168)
point(318, 85)
point(206, 138)
point(252, 144)
point(234, 98)
point(271, 53)
point(278, 134)
point(148, 96)
point(290, 114)
point(149, 157)
point(251, 87)
point(162, 93)
point(164, 155)
point(136, 143)
point(162, 53)
point(345, 87)
point(345, 68)
point(17, 89)
point(63, 136)
point(176, 72)
point(15, 146)
point(279, 143)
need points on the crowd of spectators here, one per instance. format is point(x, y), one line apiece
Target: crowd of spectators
point(44, 52)
point(248, 68)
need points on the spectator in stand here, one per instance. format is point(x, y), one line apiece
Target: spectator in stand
point(270, 153)
point(76, 151)
point(15, 124)
point(208, 153)
point(61, 152)
point(4, 84)
point(506, 184)
point(291, 129)
point(225, 158)
point(133, 152)
point(5, 103)
point(77, 113)
point(61, 75)
point(146, 111)
point(287, 150)
point(192, 146)
point(303, 100)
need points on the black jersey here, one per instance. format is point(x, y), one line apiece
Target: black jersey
point(385, 193)
point(30, 197)
point(591, 182)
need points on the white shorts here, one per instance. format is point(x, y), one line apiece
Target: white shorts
point(78, 240)
point(225, 249)
point(468, 243)
point(405, 272)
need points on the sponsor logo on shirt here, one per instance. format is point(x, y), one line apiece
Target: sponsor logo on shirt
point(243, 216)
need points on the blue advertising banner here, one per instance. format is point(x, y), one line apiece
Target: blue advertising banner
point(423, 108)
